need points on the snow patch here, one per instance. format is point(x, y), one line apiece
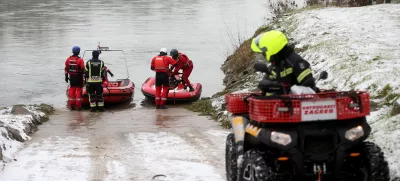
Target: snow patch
point(218, 102)
point(386, 134)
point(12, 126)
point(218, 133)
point(289, 3)
point(54, 158)
point(163, 144)
point(8, 146)
point(115, 170)
point(168, 154)
point(183, 170)
point(357, 55)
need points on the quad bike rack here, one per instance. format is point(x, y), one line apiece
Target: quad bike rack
point(288, 108)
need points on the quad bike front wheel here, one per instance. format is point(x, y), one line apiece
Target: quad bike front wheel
point(377, 168)
point(254, 168)
point(231, 158)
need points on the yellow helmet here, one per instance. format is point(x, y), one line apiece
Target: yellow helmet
point(269, 43)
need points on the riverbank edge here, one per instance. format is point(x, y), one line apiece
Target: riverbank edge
point(17, 124)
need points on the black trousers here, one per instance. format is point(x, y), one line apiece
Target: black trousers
point(76, 80)
point(95, 90)
point(162, 79)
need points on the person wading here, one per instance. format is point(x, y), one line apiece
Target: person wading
point(95, 74)
point(160, 64)
point(74, 67)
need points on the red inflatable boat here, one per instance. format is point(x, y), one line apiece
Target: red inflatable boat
point(115, 92)
point(119, 91)
point(176, 93)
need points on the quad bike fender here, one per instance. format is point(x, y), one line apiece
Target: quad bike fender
point(238, 128)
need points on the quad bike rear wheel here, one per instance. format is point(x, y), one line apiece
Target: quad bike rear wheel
point(377, 168)
point(231, 158)
point(254, 168)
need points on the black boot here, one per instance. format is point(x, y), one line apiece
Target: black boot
point(101, 109)
point(191, 89)
point(93, 107)
point(163, 107)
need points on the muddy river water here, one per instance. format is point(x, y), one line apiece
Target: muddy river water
point(134, 142)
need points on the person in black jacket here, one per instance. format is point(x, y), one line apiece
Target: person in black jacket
point(287, 67)
point(95, 74)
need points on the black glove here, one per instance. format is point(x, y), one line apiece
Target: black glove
point(172, 78)
point(112, 75)
point(66, 78)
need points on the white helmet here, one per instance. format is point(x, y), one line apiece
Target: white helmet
point(164, 50)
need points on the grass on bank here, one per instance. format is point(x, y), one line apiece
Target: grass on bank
point(205, 108)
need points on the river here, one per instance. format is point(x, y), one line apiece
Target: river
point(36, 37)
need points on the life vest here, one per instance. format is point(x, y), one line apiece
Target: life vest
point(73, 67)
point(160, 65)
point(95, 71)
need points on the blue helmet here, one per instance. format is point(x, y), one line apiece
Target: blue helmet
point(76, 50)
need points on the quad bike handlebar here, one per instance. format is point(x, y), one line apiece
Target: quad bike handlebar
point(269, 85)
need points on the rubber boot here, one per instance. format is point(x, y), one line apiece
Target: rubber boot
point(163, 107)
point(101, 109)
point(93, 109)
point(191, 89)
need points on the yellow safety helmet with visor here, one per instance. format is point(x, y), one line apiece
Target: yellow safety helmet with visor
point(269, 43)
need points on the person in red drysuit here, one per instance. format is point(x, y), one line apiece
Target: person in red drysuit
point(105, 80)
point(74, 67)
point(160, 64)
point(183, 62)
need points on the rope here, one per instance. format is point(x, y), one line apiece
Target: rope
point(159, 175)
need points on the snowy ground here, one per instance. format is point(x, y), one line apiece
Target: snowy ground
point(137, 144)
point(360, 49)
point(14, 129)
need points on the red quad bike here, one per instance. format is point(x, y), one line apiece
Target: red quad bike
point(313, 137)
point(114, 92)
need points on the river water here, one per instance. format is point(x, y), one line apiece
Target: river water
point(36, 37)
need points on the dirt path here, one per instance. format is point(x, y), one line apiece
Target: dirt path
point(131, 144)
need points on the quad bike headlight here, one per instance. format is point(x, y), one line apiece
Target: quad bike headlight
point(281, 138)
point(354, 133)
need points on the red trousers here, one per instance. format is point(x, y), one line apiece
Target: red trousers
point(75, 97)
point(185, 76)
point(161, 95)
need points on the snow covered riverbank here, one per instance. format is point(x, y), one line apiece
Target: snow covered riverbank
point(16, 124)
point(359, 48)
